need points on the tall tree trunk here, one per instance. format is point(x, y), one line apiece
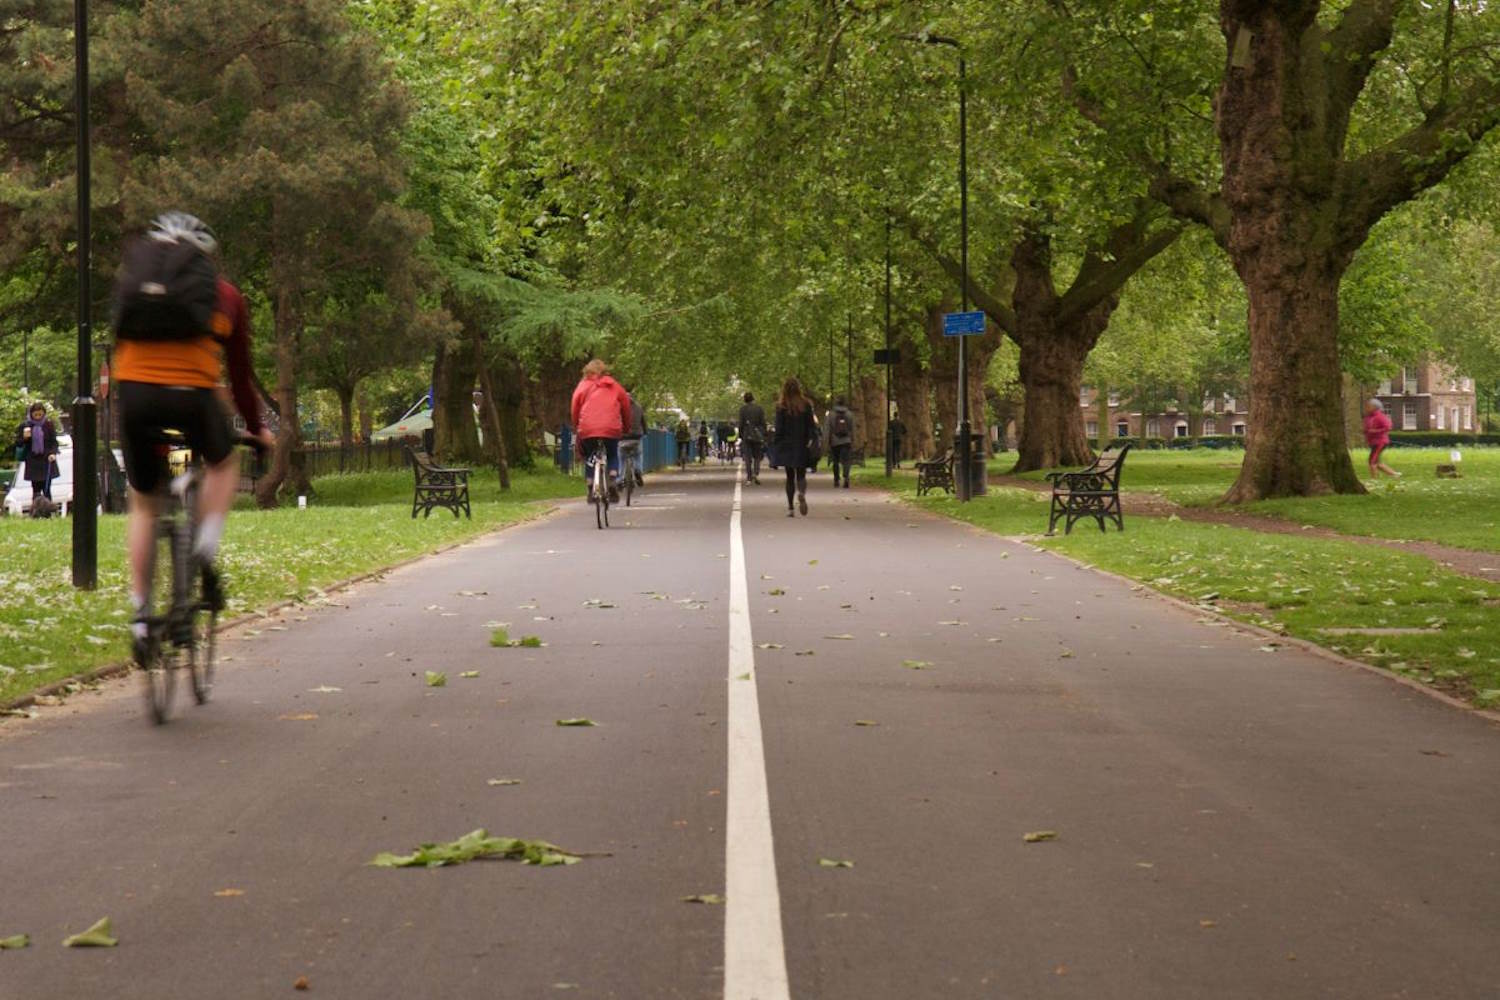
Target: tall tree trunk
point(289, 437)
point(346, 415)
point(509, 381)
point(553, 390)
point(1101, 414)
point(1053, 351)
point(455, 435)
point(366, 416)
point(494, 436)
point(1295, 444)
point(913, 391)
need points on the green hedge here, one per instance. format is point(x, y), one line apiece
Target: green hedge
point(1440, 439)
point(1177, 444)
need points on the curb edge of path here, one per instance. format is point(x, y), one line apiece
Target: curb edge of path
point(109, 670)
point(1306, 645)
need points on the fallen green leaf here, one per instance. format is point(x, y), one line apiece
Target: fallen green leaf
point(436, 679)
point(470, 674)
point(916, 664)
point(478, 844)
point(504, 781)
point(1039, 836)
point(776, 592)
point(500, 637)
point(866, 722)
point(805, 652)
point(770, 645)
point(831, 863)
point(101, 935)
point(705, 897)
point(531, 641)
point(576, 722)
point(841, 635)
point(742, 677)
point(18, 941)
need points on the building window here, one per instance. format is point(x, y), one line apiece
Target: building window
point(1239, 430)
point(1181, 430)
point(1453, 385)
point(1229, 404)
point(1468, 418)
point(1385, 388)
point(1122, 429)
point(1209, 427)
point(1114, 398)
point(1439, 418)
point(1408, 382)
point(1092, 428)
point(1467, 384)
point(1153, 428)
point(1409, 416)
point(1083, 396)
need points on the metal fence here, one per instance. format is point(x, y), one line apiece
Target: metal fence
point(367, 456)
point(658, 450)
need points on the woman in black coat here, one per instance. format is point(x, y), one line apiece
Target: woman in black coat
point(795, 439)
point(36, 450)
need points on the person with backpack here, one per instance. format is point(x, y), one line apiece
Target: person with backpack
point(796, 442)
point(630, 441)
point(702, 441)
point(839, 440)
point(36, 452)
point(752, 426)
point(180, 326)
point(601, 412)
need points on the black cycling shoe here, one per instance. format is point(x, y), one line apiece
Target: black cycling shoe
point(213, 589)
point(142, 650)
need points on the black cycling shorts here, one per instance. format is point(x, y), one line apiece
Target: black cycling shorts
point(147, 409)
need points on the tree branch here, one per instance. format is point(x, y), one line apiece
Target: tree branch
point(1129, 248)
point(1410, 164)
point(1193, 203)
point(1364, 31)
point(992, 305)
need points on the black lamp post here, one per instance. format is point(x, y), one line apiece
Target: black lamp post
point(963, 448)
point(85, 420)
point(890, 444)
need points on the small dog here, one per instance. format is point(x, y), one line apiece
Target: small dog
point(42, 507)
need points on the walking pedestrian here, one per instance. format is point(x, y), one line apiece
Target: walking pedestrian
point(838, 434)
point(895, 438)
point(796, 442)
point(36, 450)
point(1378, 436)
point(752, 437)
point(684, 442)
point(702, 441)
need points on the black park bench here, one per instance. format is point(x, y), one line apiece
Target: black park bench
point(934, 474)
point(438, 486)
point(1091, 492)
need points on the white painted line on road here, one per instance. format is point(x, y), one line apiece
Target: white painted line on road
point(754, 953)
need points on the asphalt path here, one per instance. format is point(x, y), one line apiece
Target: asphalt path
point(1229, 821)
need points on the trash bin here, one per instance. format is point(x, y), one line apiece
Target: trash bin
point(978, 481)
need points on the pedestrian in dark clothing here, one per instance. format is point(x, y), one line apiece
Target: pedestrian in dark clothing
point(796, 438)
point(838, 441)
point(702, 441)
point(36, 450)
point(752, 437)
point(684, 441)
point(896, 437)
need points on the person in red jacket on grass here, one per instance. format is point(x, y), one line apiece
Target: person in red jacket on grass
point(601, 413)
point(1378, 436)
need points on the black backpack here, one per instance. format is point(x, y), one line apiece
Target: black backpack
point(841, 425)
point(166, 290)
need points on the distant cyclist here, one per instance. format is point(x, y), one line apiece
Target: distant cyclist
point(702, 441)
point(630, 441)
point(601, 413)
point(752, 426)
point(179, 324)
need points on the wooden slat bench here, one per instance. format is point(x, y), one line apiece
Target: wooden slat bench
point(1091, 492)
point(437, 486)
point(934, 474)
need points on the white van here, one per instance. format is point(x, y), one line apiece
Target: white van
point(18, 500)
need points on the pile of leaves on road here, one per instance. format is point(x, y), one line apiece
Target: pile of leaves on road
point(479, 844)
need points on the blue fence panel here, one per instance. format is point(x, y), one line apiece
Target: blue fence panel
point(658, 451)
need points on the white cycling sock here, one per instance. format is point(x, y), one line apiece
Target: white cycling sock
point(206, 548)
point(138, 611)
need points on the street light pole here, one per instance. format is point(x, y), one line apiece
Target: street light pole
point(85, 420)
point(890, 449)
point(963, 447)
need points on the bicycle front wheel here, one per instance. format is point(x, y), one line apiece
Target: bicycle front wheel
point(162, 657)
point(201, 655)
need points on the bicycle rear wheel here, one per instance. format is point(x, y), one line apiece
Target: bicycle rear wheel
point(201, 654)
point(162, 657)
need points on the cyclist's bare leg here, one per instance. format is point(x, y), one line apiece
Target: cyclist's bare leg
point(215, 497)
point(140, 540)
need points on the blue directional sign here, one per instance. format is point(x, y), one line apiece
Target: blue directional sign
point(967, 324)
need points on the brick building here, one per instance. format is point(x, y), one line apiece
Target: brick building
point(1429, 397)
point(1226, 414)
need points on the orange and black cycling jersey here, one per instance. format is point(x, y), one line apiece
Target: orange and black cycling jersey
point(200, 362)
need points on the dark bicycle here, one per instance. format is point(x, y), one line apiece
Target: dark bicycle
point(183, 635)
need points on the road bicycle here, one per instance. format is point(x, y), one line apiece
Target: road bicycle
point(598, 464)
point(630, 462)
point(183, 636)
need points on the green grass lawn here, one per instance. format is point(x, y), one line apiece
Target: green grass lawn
point(356, 524)
point(1461, 512)
point(1299, 586)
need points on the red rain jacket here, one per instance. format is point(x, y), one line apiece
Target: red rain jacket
point(601, 408)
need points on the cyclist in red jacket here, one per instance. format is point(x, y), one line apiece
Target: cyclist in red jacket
point(601, 412)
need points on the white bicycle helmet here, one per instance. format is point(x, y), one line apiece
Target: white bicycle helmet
point(180, 227)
